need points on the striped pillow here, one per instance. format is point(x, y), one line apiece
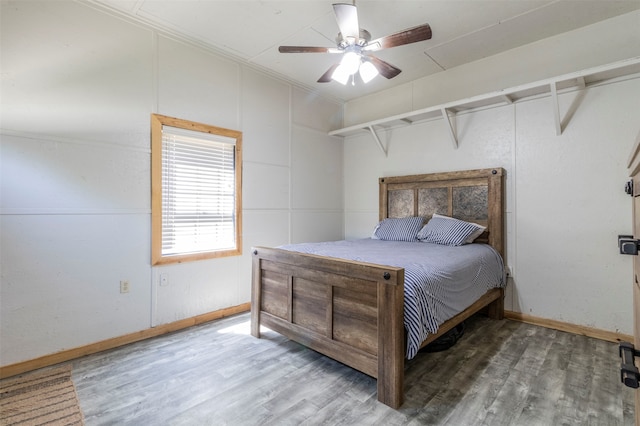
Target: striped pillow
point(449, 231)
point(398, 229)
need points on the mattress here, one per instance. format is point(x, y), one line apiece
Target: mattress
point(440, 281)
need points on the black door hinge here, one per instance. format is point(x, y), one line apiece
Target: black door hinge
point(629, 374)
point(628, 187)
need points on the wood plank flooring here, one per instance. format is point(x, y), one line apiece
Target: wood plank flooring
point(499, 373)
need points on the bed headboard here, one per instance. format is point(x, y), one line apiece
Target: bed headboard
point(471, 195)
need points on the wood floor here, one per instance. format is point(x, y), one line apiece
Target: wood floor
point(499, 373)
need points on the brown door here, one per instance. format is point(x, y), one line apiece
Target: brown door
point(636, 280)
point(636, 314)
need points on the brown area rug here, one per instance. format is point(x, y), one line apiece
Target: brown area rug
point(42, 398)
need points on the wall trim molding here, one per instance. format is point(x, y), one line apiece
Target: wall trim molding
point(70, 354)
point(55, 211)
point(610, 336)
point(54, 139)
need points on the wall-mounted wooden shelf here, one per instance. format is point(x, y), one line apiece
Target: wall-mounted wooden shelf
point(552, 86)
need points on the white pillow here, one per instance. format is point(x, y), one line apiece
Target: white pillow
point(449, 231)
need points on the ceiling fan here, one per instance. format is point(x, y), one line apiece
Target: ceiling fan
point(355, 44)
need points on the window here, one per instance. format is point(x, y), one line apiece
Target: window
point(196, 191)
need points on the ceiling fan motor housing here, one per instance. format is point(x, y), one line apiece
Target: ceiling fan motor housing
point(363, 39)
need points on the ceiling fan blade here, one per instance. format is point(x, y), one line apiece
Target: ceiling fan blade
point(384, 68)
point(307, 49)
point(326, 77)
point(347, 18)
point(411, 35)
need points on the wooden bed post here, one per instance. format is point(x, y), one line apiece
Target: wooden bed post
point(256, 294)
point(496, 209)
point(383, 211)
point(495, 310)
point(391, 342)
point(495, 201)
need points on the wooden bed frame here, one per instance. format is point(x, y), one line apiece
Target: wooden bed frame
point(353, 311)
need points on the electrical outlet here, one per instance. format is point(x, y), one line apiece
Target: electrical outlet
point(124, 286)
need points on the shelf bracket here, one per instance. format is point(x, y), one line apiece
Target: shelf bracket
point(452, 132)
point(556, 107)
point(375, 136)
point(507, 99)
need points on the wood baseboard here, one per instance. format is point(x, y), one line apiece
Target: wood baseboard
point(70, 354)
point(596, 333)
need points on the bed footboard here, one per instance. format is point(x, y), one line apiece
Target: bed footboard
point(350, 311)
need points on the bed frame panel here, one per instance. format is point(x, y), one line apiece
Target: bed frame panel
point(353, 311)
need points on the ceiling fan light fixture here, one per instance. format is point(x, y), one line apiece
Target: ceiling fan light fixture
point(350, 62)
point(340, 75)
point(349, 65)
point(368, 71)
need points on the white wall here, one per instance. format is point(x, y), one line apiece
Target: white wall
point(78, 88)
point(565, 198)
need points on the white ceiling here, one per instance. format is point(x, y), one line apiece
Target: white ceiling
point(463, 31)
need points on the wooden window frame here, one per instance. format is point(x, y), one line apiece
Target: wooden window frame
point(157, 122)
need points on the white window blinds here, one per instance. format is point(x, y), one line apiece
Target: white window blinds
point(198, 192)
